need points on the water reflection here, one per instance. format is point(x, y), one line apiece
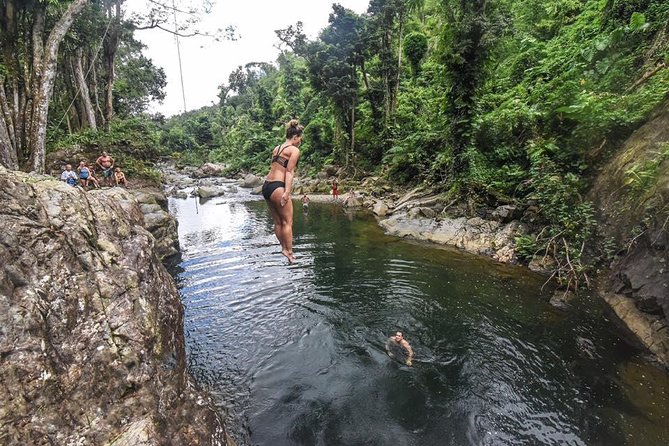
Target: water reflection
point(295, 354)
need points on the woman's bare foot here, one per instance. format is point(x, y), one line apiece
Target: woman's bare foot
point(288, 255)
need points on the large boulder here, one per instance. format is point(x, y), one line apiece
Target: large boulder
point(91, 324)
point(506, 213)
point(476, 235)
point(210, 170)
point(380, 208)
point(250, 181)
point(209, 191)
point(352, 202)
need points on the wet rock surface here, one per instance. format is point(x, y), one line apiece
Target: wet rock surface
point(636, 219)
point(476, 235)
point(91, 325)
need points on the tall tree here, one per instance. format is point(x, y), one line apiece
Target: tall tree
point(465, 57)
point(333, 65)
point(28, 61)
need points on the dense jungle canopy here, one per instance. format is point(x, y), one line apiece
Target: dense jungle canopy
point(488, 100)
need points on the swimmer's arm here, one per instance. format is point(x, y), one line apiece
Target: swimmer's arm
point(410, 351)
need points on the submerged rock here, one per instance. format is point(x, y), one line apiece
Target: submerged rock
point(91, 324)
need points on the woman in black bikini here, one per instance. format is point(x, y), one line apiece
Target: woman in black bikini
point(277, 187)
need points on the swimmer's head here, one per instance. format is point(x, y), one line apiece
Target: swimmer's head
point(398, 336)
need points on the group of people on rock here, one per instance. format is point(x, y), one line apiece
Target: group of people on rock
point(84, 175)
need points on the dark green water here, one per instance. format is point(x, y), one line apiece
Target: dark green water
point(294, 355)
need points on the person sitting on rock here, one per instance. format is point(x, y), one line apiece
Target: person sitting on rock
point(119, 178)
point(84, 173)
point(69, 176)
point(91, 177)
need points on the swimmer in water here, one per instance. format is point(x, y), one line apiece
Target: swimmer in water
point(398, 341)
point(305, 203)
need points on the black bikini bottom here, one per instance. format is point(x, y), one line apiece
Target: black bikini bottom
point(270, 186)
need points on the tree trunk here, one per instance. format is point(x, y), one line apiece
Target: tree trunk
point(351, 150)
point(110, 48)
point(96, 96)
point(8, 155)
point(75, 118)
point(44, 74)
point(82, 86)
point(399, 65)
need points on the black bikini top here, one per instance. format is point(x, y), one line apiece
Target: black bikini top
point(279, 159)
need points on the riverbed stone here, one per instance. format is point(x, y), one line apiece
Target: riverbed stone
point(210, 170)
point(505, 213)
point(380, 208)
point(650, 329)
point(353, 202)
point(209, 191)
point(250, 181)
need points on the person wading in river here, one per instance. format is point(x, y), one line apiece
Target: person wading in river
point(278, 186)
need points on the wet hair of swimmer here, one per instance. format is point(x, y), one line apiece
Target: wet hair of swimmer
point(293, 128)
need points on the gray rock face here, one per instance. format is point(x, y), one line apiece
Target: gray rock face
point(642, 273)
point(157, 219)
point(91, 325)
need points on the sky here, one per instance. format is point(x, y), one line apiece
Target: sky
point(207, 64)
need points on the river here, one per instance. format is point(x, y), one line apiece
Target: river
point(294, 355)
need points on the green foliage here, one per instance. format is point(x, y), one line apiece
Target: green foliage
point(136, 136)
point(526, 247)
point(642, 176)
point(138, 81)
point(569, 218)
point(415, 48)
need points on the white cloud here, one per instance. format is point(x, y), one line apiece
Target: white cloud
point(207, 64)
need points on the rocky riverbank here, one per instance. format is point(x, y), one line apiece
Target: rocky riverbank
point(91, 325)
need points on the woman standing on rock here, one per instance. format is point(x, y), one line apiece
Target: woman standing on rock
point(277, 188)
